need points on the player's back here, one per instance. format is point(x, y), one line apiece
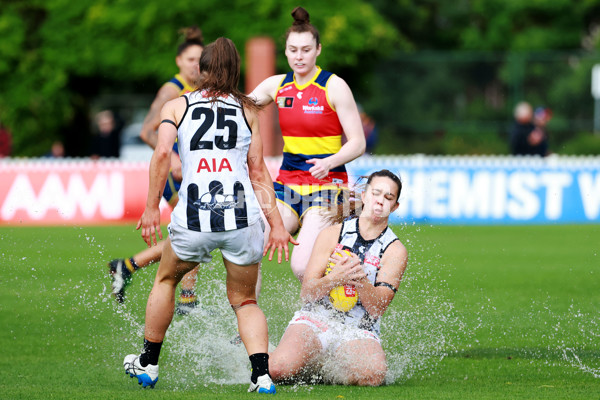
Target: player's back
point(216, 193)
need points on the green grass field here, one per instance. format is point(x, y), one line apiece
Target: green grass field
point(483, 313)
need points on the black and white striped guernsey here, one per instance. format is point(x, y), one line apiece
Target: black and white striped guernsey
point(370, 253)
point(216, 194)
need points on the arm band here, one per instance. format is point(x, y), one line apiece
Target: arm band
point(385, 284)
point(168, 121)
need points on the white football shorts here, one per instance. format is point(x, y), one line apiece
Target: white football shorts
point(239, 246)
point(331, 333)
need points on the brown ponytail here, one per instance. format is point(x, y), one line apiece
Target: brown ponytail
point(220, 72)
point(302, 24)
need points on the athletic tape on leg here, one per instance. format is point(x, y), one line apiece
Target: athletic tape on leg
point(244, 304)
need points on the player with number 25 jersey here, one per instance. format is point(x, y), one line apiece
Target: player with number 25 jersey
point(216, 194)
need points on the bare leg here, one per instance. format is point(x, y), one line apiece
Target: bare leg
point(313, 223)
point(298, 347)
point(149, 255)
point(363, 362)
point(188, 282)
point(159, 309)
point(252, 323)
point(290, 221)
point(154, 253)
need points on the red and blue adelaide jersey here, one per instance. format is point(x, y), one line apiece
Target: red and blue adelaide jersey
point(311, 129)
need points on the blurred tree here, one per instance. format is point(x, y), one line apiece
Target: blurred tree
point(57, 55)
point(470, 61)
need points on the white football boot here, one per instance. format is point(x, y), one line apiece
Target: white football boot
point(263, 384)
point(147, 376)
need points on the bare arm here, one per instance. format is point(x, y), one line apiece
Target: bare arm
point(264, 93)
point(376, 299)
point(150, 126)
point(159, 169)
point(263, 188)
point(316, 284)
point(342, 100)
point(176, 167)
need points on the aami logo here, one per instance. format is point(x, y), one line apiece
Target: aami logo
point(313, 101)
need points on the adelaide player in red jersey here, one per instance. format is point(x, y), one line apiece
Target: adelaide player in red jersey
point(315, 109)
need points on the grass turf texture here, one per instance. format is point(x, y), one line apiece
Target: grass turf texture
point(513, 312)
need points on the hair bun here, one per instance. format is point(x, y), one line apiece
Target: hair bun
point(192, 34)
point(301, 16)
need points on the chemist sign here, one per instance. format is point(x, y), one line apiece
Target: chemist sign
point(493, 190)
point(448, 190)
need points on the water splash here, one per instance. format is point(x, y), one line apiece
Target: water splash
point(203, 341)
point(421, 327)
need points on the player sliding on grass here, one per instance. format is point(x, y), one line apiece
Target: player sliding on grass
point(225, 185)
point(344, 347)
point(121, 270)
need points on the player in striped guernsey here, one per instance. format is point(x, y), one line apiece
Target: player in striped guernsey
point(188, 56)
point(344, 347)
point(315, 108)
point(222, 166)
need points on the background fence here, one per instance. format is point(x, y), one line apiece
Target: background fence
point(437, 190)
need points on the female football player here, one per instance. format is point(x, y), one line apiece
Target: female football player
point(225, 185)
point(344, 347)
point(315, 108)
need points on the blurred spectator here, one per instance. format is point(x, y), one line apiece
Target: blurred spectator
point(370, 130)
point(57, 150)
point(5, 141)
point(521, 129)
point(106, 139)
point(538, 139)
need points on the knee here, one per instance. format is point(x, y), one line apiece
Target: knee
point(275, 369)
point(166, 279)
point(298, 265)
point(371, 377)
point(279, 370)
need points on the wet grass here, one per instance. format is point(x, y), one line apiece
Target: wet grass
point(483, 313)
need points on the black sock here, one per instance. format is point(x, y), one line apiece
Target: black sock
point(260, 365)
point(150, 353)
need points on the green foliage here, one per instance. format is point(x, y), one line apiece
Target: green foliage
point(56, 56)
point(421, 68)
point(503, 52)
point(585, 144)
point(519, 25)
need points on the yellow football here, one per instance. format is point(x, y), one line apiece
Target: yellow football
point(342, 297)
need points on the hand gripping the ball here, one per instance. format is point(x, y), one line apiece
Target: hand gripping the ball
point(346, 269)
